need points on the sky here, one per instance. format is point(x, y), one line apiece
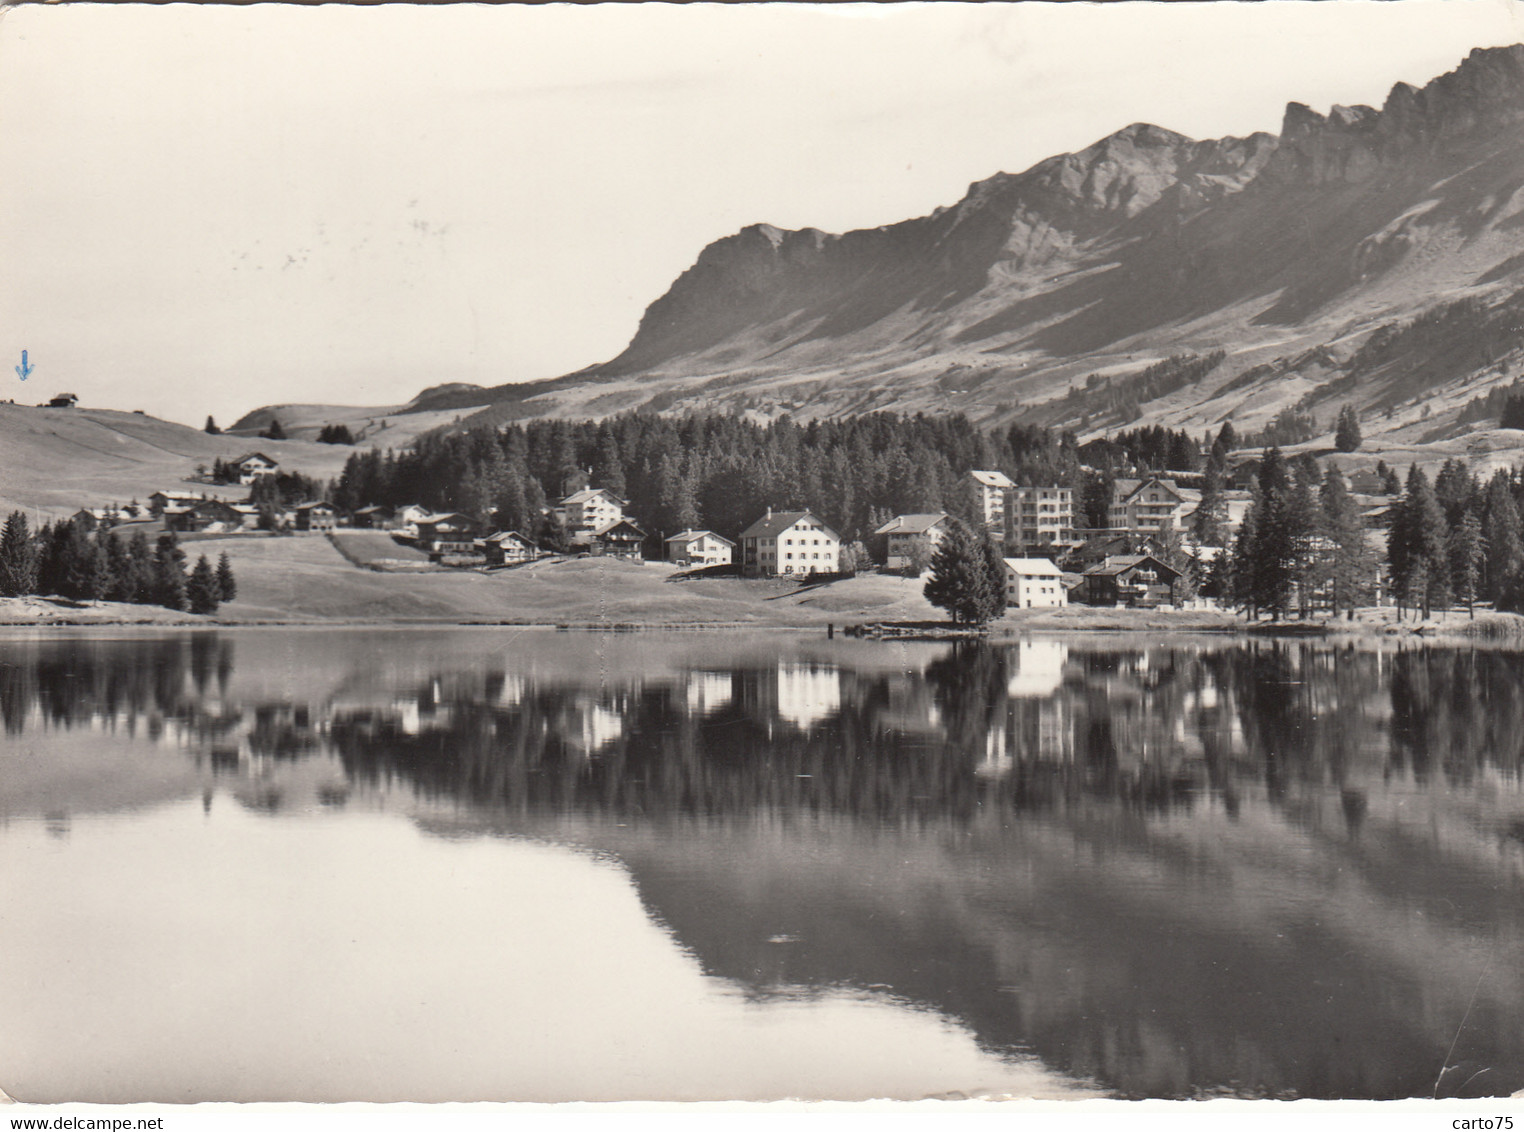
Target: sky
point(208, 209)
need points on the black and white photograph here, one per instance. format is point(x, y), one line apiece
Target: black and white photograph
point(947, 558)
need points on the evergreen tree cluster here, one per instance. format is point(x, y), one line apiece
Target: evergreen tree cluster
point(1455, 541)
point(1302, 541)
point(713, 472)
point(64, 559)
point(335, 434)
point(1144, 450)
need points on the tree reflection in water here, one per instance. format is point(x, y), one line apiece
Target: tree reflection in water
point(1272, 868)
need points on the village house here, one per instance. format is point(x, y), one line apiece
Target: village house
point(1033, 583)
point(375, 517)
point(585, 512)
point(789, 542)
point(94, 518)
point(1042, 516)
point(1138, 580)
point(63, 401)
point(909, 535)
point(160, 500)
point(992, 488)
point(1150, 505)
point(315, 516)
point(254, 465)
point(506, 548)
point(619, 539)
point(447, 533)
point(407, 517)
point(699, 548)
point(216, 516)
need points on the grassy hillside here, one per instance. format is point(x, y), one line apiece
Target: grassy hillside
point(55, 461)
point(305, 579)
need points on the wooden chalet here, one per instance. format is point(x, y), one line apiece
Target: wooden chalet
point(377, 516)
point(620, 539)
point(506, 548)
point(1136, 580)
point(448, 532)
point(315, 516)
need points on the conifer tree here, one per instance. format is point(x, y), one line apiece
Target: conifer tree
point(169, 573)
point(1416, 547)
point(139, 586)
point(1348, 562)
point(211, 427)
point(1466, 554)
point(967, 576)
point(1504, 559)
point(202, 591)
point(18, 558)
point(1347, 436)
point(227, 585)
point(1211, 513)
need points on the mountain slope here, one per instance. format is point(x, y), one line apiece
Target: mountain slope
point(55, 461)
point(1046, 295)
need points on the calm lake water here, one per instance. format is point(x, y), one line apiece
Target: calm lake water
point(526, 865)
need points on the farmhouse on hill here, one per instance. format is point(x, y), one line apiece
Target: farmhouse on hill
point(254, 465)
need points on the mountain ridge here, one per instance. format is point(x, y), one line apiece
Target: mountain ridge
point(1038, 295)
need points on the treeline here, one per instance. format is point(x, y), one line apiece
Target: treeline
point(722, 473)
point(1302, 542)
point(64, 559)
point(1455, 541)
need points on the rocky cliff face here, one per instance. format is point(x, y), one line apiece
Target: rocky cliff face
point(1040, 295)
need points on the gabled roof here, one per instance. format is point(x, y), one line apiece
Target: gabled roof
point(690, 536)
point(440, 517)
point(600, 532)
point(1032, 567)
point(912, 524)
point(1167, 485)
point(775, 523)
point(506, 536)
point(311, 505)
point(374, 507)
point(993, 479)
point(1122, 563)
point(242, 460)
point(588, 493)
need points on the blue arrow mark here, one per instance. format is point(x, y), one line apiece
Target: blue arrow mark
point(24, 370)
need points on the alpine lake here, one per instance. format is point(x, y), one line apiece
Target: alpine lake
point(529, 865)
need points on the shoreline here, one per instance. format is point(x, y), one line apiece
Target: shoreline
point(1374, 625)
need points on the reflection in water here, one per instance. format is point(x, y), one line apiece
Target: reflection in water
point(1268, 869)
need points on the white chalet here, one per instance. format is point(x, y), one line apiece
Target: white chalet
point(1031, 583)
point(700, 548)
point(789, 542)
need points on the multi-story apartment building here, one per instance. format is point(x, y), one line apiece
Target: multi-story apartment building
point(1042, 516)
point(992, 488)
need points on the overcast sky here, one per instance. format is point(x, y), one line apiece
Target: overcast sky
point(204, 210)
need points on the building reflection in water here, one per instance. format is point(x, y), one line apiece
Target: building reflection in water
point(1188, 869)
